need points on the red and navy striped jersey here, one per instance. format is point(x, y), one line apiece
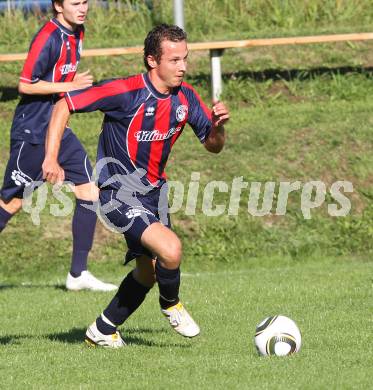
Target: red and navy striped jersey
point(140, 125)
point(53, 56)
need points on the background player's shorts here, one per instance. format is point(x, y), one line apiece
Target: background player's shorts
point(131, 215)
point(24, 168)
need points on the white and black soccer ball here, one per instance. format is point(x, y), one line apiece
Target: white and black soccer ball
point(277, 336)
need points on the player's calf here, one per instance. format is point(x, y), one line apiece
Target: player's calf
point(8, 210)
point(12, 206)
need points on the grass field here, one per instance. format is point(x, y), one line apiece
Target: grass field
point(298, 114)
point(330, 298)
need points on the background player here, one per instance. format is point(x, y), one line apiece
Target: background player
point(50, 69)
point(144, 116)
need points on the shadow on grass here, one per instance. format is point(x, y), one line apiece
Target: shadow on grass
point(73, 336)
point(284, 74)
point(24, 286)
point(145, 330)
point(131, 337)
point(13, 339)
point(8, 93)
point(11, 93)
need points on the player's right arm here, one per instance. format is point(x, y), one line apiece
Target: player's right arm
point(52, 171)
point(107, 96)
point(41, 87)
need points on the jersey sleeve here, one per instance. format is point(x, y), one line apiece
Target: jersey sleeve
point(199, 116)
point(39, 58)
point(106, 96)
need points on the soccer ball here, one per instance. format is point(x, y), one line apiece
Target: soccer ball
point(277, 336)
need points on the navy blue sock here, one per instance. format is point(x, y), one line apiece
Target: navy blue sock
point(169, 284)
point(4, 218)
point(104, 327)
point(83, 227)
point(128, 298)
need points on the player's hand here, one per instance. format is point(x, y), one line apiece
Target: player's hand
point(220, 114)
point(52, 172)
point(82, 80)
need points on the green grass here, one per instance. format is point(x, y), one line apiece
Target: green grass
point(329, 298)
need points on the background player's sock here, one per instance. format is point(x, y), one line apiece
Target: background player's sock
point(83, 227)
point(129, 297)
point(4, 218)
point(168, 283)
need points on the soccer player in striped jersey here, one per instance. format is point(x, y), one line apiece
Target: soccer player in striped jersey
point(144, 116)
point(48, 72)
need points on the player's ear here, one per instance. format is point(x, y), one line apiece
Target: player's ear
point(58, 6)
point(152, 62)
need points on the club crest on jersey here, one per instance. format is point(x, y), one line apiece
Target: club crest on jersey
point(181, 113)
point(68, 68)
point(150, 111)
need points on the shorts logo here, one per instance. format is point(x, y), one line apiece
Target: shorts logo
point(181, 113)
point(150, 111)
point(20, 178)
point(133, 213)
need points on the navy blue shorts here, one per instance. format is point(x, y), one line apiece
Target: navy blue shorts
point(131, 215)
point(24, 168)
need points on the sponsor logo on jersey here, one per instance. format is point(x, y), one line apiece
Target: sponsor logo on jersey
point(68, 68)
point(155, 135)
point(181, 113)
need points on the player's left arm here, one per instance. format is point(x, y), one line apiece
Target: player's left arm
point(219, 117)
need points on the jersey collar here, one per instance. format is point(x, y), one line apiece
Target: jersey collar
point(152, 89)
point(62, 27)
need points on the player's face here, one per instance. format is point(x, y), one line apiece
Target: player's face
point(72, 12)
point(171, 68)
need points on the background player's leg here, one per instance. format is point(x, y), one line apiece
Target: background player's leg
point(8, 210)
point(83, 229)
point(78, 170)
point(23, 168)
point(130, 296)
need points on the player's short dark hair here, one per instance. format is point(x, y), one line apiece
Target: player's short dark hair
point(59, 2)
point(160, 33)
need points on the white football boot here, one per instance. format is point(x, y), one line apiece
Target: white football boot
point(93, 338)
point(181, 321)
point(86, 281)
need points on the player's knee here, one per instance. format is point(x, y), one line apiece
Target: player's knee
point(171, 254)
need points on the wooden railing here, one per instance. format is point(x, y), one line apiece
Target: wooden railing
point(216, 50)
